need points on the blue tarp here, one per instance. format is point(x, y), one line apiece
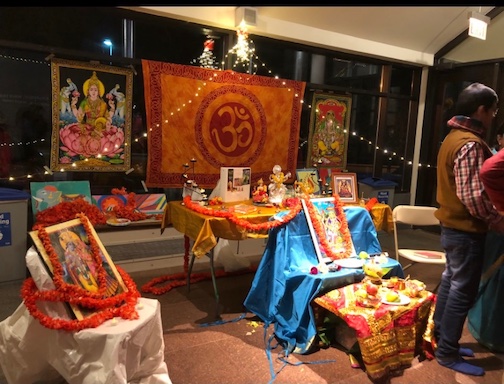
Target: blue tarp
point(9, 194)
point(283, 287)
point(376, 182)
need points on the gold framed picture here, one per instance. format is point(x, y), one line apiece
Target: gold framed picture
point(71, 243)
point(91, 117)
point(329, 130)
point(310, 176)
point(344, 185)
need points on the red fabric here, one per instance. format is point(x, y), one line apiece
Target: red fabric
point(492, 177)
point(219, 119)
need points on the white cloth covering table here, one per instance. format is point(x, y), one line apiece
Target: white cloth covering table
point(117, 351)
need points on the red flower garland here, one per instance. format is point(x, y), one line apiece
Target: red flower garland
point(180, 279)
point(248, 226)
point(122, 304)
point(177, 280)
point(295, 209)
point(345, 232)
point(68, 210)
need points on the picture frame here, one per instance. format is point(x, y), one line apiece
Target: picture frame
point(91, 117)
point(329, 130)
point(48, 194)
point(325, 210)
point(311, 175)
point(71, 243)
point(344, 185)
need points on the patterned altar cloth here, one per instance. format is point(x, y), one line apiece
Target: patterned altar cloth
point(389, 336)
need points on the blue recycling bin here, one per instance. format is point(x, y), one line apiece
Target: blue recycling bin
point(382, 189)
point(13, 233)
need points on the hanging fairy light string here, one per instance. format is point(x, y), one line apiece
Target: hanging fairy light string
point(391, 154)
point(244, 50)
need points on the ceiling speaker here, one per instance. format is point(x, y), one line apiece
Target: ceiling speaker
point(247, 15)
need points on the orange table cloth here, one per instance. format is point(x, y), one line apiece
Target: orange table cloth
point(389, 336)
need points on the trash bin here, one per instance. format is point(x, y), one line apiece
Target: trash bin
point(382, 189)
point(13, 233)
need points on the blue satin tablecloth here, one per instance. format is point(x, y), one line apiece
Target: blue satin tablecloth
point(283, 287)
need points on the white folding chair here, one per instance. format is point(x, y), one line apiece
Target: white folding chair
point(418, 216)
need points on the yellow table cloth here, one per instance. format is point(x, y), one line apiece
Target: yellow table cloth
point(382, 217)
point(206, 230)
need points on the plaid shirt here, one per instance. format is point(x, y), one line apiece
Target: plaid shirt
point(466, 168)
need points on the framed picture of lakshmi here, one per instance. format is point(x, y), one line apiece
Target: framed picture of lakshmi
point(70, 245)
point(91, 117)
point(345, 186)
point(329, 130)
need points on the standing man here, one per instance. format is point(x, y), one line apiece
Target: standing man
point(465, 214)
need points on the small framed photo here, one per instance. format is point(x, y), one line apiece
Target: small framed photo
point(344, 185)
point(311, 176)
point(71, 243)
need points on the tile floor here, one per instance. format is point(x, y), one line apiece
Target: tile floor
point(234, 352)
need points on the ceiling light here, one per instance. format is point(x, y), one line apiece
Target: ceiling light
point(478, 25)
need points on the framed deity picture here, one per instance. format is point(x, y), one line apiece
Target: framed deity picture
point(311, 177)
point(329, 130)
point(344, 185)
point(46, 194)
point(325, 217)
point(91, 117)
point(71, 243)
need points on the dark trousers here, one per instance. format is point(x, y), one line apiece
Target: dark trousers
point(458, 288)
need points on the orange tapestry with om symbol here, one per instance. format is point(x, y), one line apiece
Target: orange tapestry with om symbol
point(219, 119)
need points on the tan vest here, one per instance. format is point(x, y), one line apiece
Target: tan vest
point(451, 212)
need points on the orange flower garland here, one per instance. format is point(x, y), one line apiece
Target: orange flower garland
point(177, 280)
point(180, 279)
point(67, 210)
point(345, 232)
point(250, 227)
point(122, 304)
point(296, 208)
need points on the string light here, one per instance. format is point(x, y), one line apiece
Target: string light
point(244, 51)
point(384, 151)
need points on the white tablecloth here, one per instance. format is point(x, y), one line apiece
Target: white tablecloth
point(118, 351)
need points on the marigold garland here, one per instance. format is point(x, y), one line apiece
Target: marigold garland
point(344, 230)
point(122, 304)
point(68, 210)
point(245, 224)
point(295, 206)
point(180, 279)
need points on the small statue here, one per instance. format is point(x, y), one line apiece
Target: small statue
point(304, 188)
point(260, 194)
point(277, 188)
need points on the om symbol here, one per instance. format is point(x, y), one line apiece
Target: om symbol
point(231, 129)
